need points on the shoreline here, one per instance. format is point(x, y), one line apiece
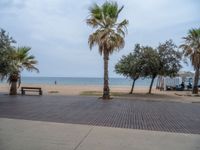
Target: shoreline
point(121, 91)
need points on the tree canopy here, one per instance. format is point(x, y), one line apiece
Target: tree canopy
point(129, 66)
point(6, 50)
point(21, 59)
point(170, 58)
point(148, 62)
point(109, 34)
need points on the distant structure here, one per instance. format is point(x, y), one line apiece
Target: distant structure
point(168, 83)
point(185, 74)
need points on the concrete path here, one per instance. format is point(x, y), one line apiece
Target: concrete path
point(18, 134)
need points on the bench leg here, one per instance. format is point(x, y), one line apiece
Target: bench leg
point(23, 92)
point(40, 92)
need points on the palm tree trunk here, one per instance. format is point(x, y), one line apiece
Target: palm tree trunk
point(13, 88)
point(133, 84)
point(106, 90)
point(196, 80)
point(152, 80)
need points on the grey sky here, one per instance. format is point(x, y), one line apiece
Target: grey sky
point(57, 32)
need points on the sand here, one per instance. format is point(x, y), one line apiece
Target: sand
point(140, 93)
point(77, 89)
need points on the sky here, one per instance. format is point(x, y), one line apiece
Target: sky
point(58, 35)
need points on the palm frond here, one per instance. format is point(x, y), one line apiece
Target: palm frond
point(191, 47)
point(120, 10)
point(109, 35)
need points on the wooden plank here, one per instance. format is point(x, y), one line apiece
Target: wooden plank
point(30, 87)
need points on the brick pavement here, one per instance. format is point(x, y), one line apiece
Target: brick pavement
point(135, 114)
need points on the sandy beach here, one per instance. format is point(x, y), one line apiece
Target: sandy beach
point(140, 93)
point(73, 89)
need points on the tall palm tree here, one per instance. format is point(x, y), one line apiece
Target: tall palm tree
point(191, 49)
point(21, 59)
point(109, 34)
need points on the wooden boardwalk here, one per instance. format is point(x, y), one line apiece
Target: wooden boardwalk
point(157, 116)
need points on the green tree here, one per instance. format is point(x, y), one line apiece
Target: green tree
point(150, 64)
point(21, 59)
point(170, 59)
point(5, 53)
point(191, 49)
point(129, 66)
point(165, 60)
point(146, 61)
point(109, 34)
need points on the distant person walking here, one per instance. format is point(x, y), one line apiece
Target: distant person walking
point(55, 82)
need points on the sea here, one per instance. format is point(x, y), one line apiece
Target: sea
point(84, 81)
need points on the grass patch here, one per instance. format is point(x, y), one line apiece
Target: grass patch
point(99, 93)
point(191, 95)
point(147, 96)
point(53, 92)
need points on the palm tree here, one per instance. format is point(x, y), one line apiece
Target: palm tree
point(191, 49)
point(109, 34)
point(21, 59)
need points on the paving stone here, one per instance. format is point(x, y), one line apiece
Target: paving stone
point(134, 114)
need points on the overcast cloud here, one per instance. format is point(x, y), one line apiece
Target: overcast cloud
point(57, 32)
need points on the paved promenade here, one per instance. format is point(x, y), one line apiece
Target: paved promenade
point(18, 134)
point(133, 114)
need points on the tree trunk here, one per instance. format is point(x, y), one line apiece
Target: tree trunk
point(106, 90)
point(196, 80)
point(152, 80)
point(13, 88)
point(133, 84)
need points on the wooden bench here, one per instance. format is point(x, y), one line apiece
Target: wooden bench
point(31, 89)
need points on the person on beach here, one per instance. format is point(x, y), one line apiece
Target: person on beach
point(55, 82)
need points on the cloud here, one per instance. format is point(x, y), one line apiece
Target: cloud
point(56, 30)
point(12, 4)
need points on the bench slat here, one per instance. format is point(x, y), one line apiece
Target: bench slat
point(30, 88)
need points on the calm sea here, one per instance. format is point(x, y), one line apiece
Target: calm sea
point(83, 81)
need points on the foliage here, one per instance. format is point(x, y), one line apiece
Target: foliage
point(128, 66)
point(149, 60)
point(170, 59)
point(109, 34)
point(5, 53)
point(191, 47)
point(21, 59)
point(14, 60)
point(146, 61)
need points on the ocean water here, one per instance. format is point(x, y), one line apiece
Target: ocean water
point(84, 81)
